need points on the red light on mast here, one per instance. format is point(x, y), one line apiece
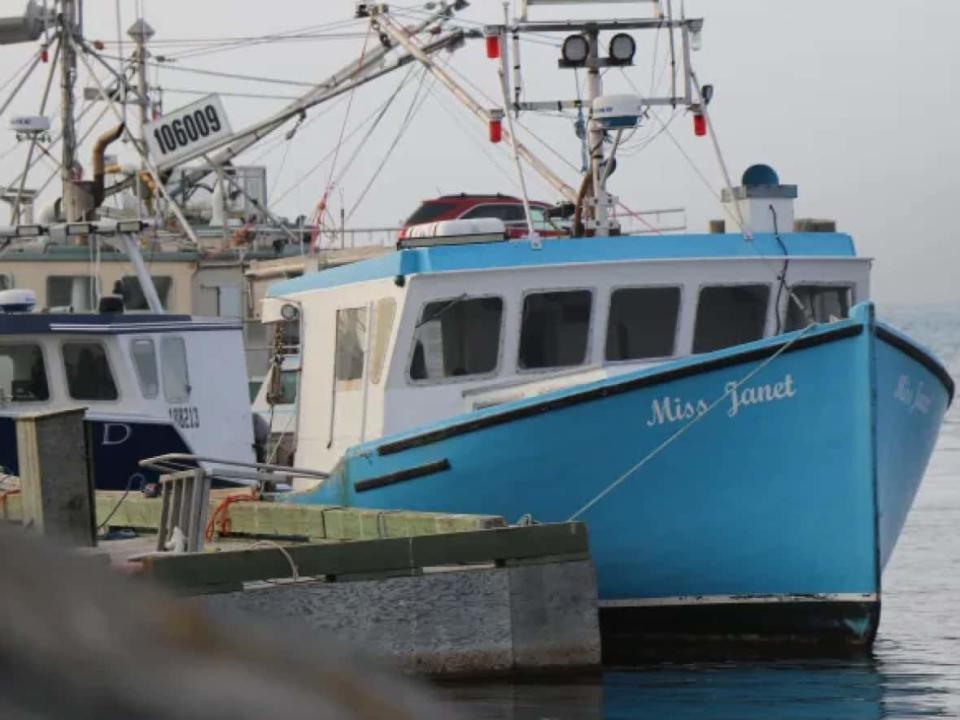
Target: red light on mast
point(496, 130)
point(493, 46)
point(699, 124)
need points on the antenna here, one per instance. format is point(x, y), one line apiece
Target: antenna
point(68, 76)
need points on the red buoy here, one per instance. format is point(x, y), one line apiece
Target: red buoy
point(493, 46)
point(44, 54)
point(699, 125)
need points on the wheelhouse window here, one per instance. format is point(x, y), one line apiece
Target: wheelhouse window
point(23, 377)
point(554, 329)
point(73, 291)
point(130, 289)
point(176, 373)
point(457, 337)
point(351, 342)
point(730, 315)
point(144, 356)
point(642, 323)
point(821, 303)
point(88, 372)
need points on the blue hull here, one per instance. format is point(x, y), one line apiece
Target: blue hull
point(118, 447)
point(764, 510)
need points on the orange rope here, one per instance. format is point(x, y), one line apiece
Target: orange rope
point(220, 517)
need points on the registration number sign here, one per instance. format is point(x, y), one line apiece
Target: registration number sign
point(185, 132)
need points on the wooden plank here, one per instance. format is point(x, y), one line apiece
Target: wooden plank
point(368, 557)
point(517, 543)
point(288, 521)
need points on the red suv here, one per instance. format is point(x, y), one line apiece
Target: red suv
point(505, 207)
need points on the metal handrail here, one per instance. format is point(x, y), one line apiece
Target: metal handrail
point(243, 473)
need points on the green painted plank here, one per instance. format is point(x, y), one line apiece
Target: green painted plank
point(368, 557)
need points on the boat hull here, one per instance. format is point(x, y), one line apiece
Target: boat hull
point(733, 497)
point(118, 445)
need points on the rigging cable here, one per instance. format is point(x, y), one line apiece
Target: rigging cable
point(375, 116)
point(404, 125)
point(471, 136)
point(322, 204)
point(15, 209)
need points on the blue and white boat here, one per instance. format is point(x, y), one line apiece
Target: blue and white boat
point(742, 436)
point(151, 384)
point(744, 473)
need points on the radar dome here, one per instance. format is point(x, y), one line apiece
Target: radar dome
point(759, 176)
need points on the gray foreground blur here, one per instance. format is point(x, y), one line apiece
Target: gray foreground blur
point(78, 641)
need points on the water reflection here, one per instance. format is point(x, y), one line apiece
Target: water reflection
point(862, 690)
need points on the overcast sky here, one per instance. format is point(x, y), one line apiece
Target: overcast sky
point(855, 101)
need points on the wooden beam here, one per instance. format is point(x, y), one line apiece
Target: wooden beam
point(284, 520)
point(202, 572)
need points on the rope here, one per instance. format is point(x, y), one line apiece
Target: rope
point(220, 517)
point(294, 570)
point(123, 497)
point(670, 440)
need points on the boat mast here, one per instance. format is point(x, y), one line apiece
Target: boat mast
point(67, 21)
point(141, 32)
point(600, 202)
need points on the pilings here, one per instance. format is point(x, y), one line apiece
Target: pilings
point(56, 488)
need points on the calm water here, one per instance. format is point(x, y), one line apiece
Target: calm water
point(915, 668)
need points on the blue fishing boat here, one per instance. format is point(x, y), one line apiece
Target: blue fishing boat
point(742, 436)
point(756, 491)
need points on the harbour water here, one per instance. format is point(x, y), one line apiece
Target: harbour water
point(914, 671)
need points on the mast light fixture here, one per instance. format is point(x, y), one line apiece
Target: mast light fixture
point(696, 33)
point(80, 228)
point(575, 50)
point(622, 48)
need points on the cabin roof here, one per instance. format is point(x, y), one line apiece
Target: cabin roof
point(107, 324)
point(518, 253)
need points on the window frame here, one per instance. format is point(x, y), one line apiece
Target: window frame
point(465, 215)
point(591, 322)
point(162, 363)
point(96, 283)
point(136, 368)
point(458, 379)
point(111, 365)
point(850, 286)
point(677, 325)
point(44, 355)
point(768, 320)
point(164, 298)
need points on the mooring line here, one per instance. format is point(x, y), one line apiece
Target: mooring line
point(666, 443)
